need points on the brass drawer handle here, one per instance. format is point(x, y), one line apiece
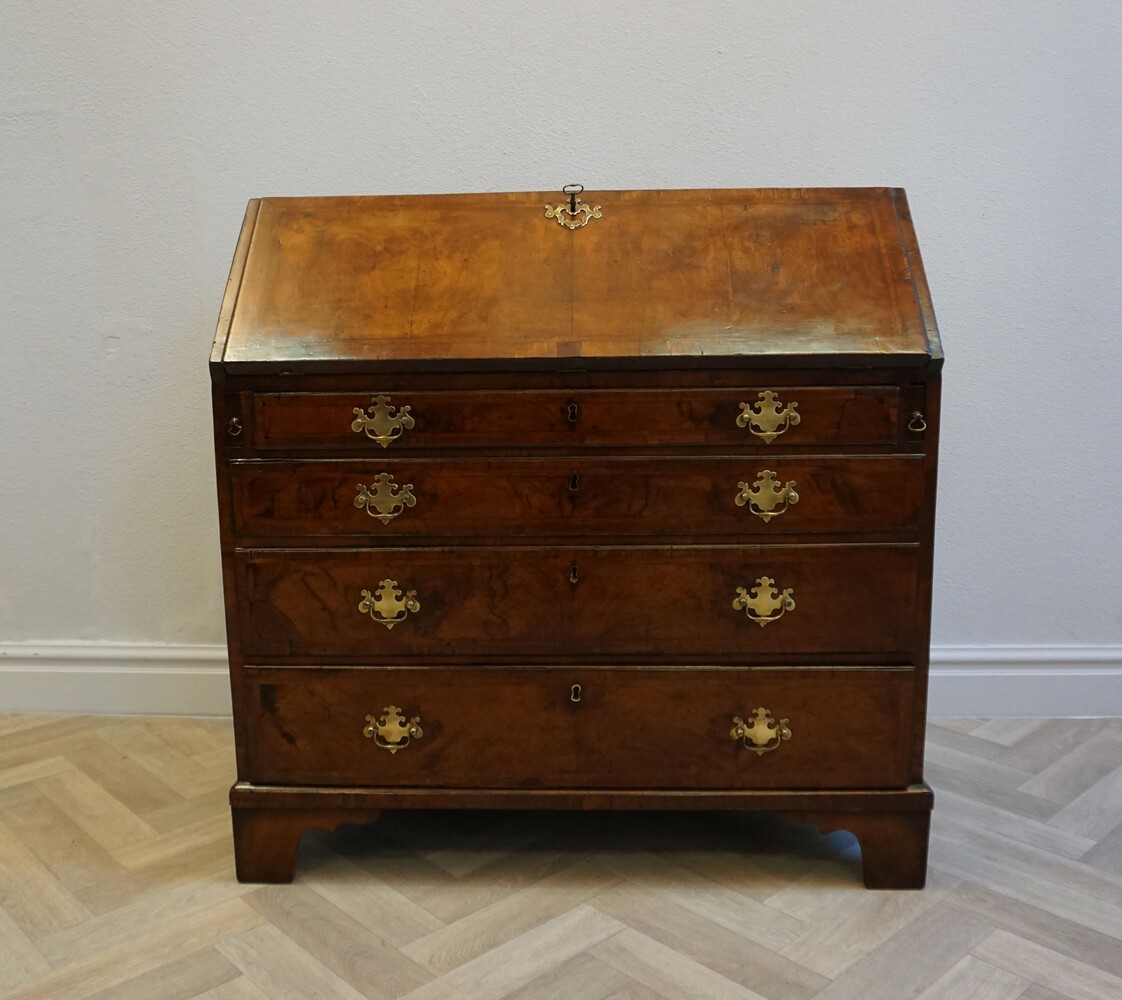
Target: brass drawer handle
point(762, 734)
point(917, 425)
point(765, 604)
point(390, 731)
point(234, 426)
point(766, 498)
point(767, 418)
point(381, 422)
point(387, 605)
point(385, 497)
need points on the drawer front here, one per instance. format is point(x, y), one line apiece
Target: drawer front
point(755, 418)
point(380, 499)
point(521, 728)
point(743, 604)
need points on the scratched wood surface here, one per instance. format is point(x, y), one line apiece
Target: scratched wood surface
point(116, 883)
point(660, 274)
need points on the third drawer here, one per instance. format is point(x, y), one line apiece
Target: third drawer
point(715, 604)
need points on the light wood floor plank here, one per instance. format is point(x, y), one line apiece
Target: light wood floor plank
point(831, 947)
point(1027, 921)
point(582, 977)
point(108, 821)
point(973, 979)
point(147, 950)
point(1096, 811)
point(516, 963)
point(1049, 968)
point(123, 778)
point(20, 960)
point(666, 971)
point(118, 927)
point(372, 967)
point(34, 899)
point(1076, 772)
point(182, 979)
point(738, 913)
point(270, 960)
point(709, 944)
point(383, 911)
point(904, 965)
point(23, 774)
point(71, 854)
point(459, 942)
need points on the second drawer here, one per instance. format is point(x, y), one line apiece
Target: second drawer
point(375, 501)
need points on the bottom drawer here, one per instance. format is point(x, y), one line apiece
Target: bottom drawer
point(618, 728)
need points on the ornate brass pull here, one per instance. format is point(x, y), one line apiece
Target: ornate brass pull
point(385, 497)
point(766, 498)
point(381, 422)
point(576, 214)
point(765, 603)
point(762, 733)
point(234, 427)
point(387, 606)
point(390, 730)
point(917, 425)
point(767, 418)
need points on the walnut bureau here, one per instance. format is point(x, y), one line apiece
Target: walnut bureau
point(575, 501)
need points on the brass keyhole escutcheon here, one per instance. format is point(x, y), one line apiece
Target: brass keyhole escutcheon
point(233, 427)
point(574, 483)
point(572, 412)
point(575, 693)
point(574, 574)
point(917, 425)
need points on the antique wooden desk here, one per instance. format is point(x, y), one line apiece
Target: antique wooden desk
point(625, 502)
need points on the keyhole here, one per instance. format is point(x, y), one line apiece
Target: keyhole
point(574, 483)
point(574, 574)
point(574, 693)
point(573, 412)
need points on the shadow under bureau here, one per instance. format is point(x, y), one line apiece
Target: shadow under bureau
point(561, 501)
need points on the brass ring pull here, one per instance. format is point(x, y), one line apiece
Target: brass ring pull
point(387, 605)
point(385, 497)
point(572, 411)
point(234, 427)
point(762, 733)
point(765, 604)
point(390, 731)
point(917, 425)
point(766, 498)
point(575, 693)
point(767, 418)
point(574, 483)
point(574, 574)
point(381, 422)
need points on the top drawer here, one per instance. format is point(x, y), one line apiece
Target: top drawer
point(756, 418)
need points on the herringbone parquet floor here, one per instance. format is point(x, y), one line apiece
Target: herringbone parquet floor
point(116, 883)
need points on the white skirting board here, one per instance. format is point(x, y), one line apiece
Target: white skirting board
point(153, 679)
